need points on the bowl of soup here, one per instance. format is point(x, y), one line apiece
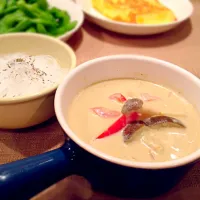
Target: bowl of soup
point(132, 110)
point(31, 68)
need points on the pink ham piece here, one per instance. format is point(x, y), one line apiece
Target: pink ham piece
point(148, 97)
point(105, 112)
point(118, 97)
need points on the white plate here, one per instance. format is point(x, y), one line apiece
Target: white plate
point(183, 9)
point(75, 12)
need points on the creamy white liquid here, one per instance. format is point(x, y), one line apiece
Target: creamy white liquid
point(22, 74)
point(150, 144)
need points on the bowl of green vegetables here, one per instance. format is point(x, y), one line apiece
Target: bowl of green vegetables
point(57, 18)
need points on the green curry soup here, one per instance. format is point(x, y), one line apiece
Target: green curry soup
point(165, 128)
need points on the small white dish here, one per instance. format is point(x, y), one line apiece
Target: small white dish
point(183, 10)
point(30, 110)
point(75, 12)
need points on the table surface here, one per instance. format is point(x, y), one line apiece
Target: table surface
point(180, 46)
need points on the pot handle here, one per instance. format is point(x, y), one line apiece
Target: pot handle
point(29, 176)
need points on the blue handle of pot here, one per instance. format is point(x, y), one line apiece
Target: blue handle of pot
point(31, 175)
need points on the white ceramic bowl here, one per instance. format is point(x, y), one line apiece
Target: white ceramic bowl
point(126, 66)
point(183, 9)
point(74, 11)
point(30, 110)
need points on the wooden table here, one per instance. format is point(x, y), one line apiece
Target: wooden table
point(180, 46)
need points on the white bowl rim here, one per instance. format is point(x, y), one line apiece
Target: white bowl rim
point(125, 24)
point(48, 90)
point(134, 164)
point(78, 26)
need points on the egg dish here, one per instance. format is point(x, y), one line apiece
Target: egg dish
point(135, 11)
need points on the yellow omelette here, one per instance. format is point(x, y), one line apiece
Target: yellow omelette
point(135, 11)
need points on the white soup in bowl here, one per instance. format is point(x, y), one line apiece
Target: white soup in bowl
point(159, 124)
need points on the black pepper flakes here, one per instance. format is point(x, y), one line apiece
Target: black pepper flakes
point(19, 60)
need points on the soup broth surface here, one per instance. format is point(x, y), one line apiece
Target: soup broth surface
point(148, 144)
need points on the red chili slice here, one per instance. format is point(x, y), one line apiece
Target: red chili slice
point(105, 112)
point(118, 97)
point(119, 124)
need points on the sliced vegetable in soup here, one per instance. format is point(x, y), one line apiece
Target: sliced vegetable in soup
point(135, 120)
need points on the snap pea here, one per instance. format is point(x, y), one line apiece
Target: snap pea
point(10, 19)
point(33, 16)
point(2, 5)
point(60, 15)
point(63, 29)
point(44, 22)
point(3, 28)
point(63, 20)
point(42, 4)
point(71, 25)
point(20, 1)
point(41, 29)
point(10, 9)
point(31, 30)
point(21, 26)
point(34, 11)
point(31, 1)
point(11, 3)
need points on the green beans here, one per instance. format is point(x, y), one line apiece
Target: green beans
point(21, 26)
point(41, 28)
point(64, 23)
point(35, 11)
point(10, 20)
point(31, 1)
point(33, 16)
point(31, 30)
point(11, 3)
point(10, 9)
point(43, 4)
point(2, 5)
point(3, 28)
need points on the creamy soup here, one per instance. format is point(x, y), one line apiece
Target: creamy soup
point(165, 128)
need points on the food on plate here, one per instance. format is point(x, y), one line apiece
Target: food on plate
point(135, 11)
point(135, 120)
point(34, 16)
point(22, 74)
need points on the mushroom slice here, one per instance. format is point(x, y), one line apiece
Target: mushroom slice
point(131, 105)
point(156, 120)
point(130, 129)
